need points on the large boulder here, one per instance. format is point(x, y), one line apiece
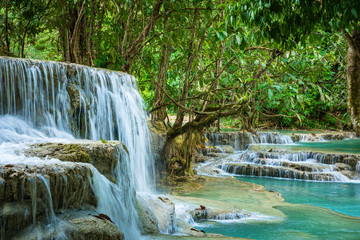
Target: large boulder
point(156, 214)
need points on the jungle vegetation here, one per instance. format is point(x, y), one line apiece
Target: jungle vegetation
point(249, 64)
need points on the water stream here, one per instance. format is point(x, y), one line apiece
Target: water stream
point(325, 206)
point(57, 102)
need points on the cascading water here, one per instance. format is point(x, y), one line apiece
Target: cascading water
point(48, 101)
point(81, 101)
point(267, 155)
point(298, 165)
point(240, 140)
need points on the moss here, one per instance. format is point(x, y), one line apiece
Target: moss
point(75, 153)
point(177, 185)
point(104, 157)
point(180, 153)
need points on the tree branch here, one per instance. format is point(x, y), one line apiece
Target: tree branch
point(75, 32)
point(168, 96)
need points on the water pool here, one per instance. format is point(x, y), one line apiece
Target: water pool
point(350, 146)
point(303, 221)
point(337, 196)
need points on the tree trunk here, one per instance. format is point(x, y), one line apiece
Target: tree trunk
point(185, 91)
point(7, 28)
point(76, 35)
point(353, 78)
point(159, 96)
point(133, 47)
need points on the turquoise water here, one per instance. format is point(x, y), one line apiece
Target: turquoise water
point(339, 197)
point(351, 146)
point(303, 221)
point(346, 146)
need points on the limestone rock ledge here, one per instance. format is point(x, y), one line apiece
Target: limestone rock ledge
point(37, 193)
point(75, 224)
point(103, 156)
point(29, 192)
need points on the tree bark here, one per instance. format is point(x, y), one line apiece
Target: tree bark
point(133, 47)
point(185, 91)
point(75, 37)
point(159, 96)
point(353, 78)
point(7, 28)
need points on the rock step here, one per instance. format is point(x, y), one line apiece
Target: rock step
point(301, 166)
point(74, 224)
point(24, 192)
point(323, 158)
point(281, 172)
point(103, 156)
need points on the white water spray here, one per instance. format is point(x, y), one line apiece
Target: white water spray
point(48, 101)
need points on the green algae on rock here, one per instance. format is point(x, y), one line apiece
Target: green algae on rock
point(104, 157)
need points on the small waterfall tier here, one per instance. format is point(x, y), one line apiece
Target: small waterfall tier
point(298, 165)
point(241, 140)
point(50, 181)
point(317, 157)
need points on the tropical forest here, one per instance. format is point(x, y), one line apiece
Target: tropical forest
point(173, 119)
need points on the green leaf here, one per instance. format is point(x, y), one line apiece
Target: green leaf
point(353, 11)
point(270, 93)
point(238, 39)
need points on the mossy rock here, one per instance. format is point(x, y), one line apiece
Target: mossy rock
point(104, 156)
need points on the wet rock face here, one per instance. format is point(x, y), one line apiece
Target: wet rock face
point(20, 182)
point(158, 140)
point(208, 213)
point(156, 214)
point(209, 151)
point(75, 224)
point(103, 156)
point(25, 191)
point(238, 140)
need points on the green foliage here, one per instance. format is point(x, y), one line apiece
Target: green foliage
point(280, 63)
point(291, 22)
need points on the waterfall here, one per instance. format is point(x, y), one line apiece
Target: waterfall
point(296, 165)
point(241, 140)
point(84, 102)
point(49, 101)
